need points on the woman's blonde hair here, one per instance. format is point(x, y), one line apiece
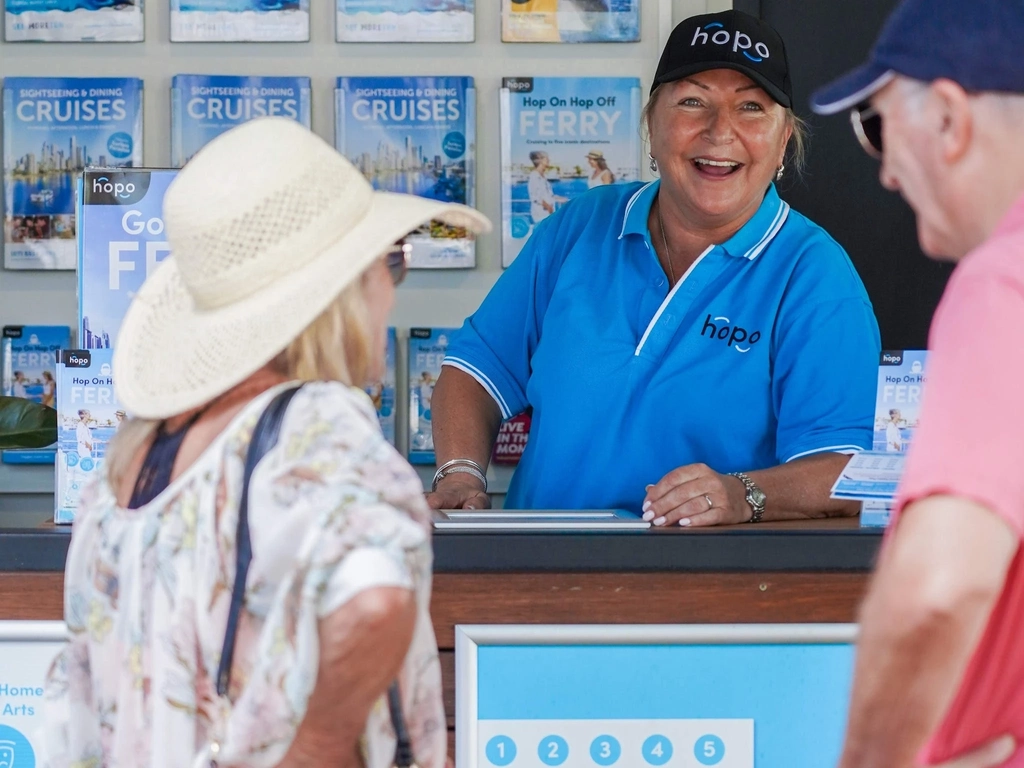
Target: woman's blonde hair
point(313, 355)
point(796, 151)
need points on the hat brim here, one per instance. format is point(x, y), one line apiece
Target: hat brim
point(171, 357)
point(851, 89)
point(769, 87)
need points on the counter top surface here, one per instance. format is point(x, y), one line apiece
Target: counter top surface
point(30, 544)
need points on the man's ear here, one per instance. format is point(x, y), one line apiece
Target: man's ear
point(956, 128)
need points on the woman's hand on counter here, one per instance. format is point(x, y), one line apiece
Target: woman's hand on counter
point(989, 756)
point(696, 495)
point(459, 491)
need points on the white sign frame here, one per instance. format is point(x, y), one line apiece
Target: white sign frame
point(469, 638)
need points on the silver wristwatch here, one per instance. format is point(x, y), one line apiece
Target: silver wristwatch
point(756, 498)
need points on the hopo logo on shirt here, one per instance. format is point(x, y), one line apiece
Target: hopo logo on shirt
point(735, 336)
point(738, 40)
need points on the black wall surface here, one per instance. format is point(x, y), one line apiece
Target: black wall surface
point(840, 189)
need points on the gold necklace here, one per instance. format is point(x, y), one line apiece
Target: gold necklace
point(664, 241)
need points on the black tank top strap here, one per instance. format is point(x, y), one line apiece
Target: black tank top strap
point(155, 474)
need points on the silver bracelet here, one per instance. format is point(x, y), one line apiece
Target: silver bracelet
point(457, 466)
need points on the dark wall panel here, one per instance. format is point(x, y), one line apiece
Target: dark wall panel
point(840, 189)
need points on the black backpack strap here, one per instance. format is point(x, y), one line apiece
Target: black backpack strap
point(403, 744)
point(264, 437)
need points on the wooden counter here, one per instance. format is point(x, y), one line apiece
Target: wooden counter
point(808, 571)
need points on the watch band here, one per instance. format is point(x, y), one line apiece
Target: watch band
point(755, 496)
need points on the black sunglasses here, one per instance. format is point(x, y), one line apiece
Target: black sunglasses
point(397, 261)
point(867, 124)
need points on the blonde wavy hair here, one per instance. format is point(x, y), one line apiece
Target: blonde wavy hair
point(313, 355)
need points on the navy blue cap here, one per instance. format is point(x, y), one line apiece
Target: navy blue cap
point(976, 43)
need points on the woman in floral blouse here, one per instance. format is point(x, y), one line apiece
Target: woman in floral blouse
point(283, 271)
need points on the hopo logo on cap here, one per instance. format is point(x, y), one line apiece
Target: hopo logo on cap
point(738, 40)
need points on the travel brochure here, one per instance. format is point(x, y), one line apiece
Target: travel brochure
point(205, 106)
point(561, 136)
point(405, 21)
point(73, 21)
point(570, 21)
point(238, 21)
point(872, 477)
point(53, 129)
point(415, 135)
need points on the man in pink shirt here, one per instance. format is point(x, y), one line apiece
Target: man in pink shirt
point(940, 663)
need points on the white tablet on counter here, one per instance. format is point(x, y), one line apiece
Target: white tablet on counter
point(538, 520)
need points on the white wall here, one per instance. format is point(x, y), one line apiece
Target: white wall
point(441, 298)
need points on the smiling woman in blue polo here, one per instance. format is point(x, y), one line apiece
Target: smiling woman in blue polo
point(692, 348)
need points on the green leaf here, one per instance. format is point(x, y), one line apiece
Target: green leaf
point(24, 424)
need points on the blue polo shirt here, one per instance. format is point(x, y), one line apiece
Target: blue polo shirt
point(766, 350)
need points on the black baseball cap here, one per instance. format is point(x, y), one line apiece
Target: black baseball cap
point(728, 40)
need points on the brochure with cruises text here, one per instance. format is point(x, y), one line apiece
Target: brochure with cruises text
point(53, 129)
point(415, 135)
point(205, 106)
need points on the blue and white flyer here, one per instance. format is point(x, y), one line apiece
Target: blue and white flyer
point(122, 242)
point(73, 21)
point(382, 392)
point(570, 21)
point(240, 21)
point(53, 129)
point(28, 361)
point(405, 21)
point(88, 415)
point(415, 135)
point(427, 348)
point(205, 106)
point(561, 136)
point(901, 379)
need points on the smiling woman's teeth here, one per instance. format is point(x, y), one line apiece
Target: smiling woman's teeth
point(716, 163)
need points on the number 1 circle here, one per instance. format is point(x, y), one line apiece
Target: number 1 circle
point(500, 751)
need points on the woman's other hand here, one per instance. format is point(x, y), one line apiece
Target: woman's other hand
point(696, 495)
point(459, 491)
point(989, 756)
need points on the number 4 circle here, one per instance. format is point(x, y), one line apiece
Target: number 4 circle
point(553, 750)
point(657, 750)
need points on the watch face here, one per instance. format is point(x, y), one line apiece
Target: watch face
point(758, 497)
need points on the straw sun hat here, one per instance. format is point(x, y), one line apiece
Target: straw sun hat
point(267, 225)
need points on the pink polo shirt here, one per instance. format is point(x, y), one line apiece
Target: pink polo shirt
point(970, 443)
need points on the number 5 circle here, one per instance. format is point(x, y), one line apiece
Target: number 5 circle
point(605, 750)
point(657, 750)
point(553, 750)
point(709, 750)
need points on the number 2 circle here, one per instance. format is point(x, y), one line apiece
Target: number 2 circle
point(657, 750)
point(553, 750)
point(605, 750)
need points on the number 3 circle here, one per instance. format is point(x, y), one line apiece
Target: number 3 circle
point(605, 750)
point(553, 750)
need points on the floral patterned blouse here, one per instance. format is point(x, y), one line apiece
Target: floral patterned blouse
point(333, 510)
